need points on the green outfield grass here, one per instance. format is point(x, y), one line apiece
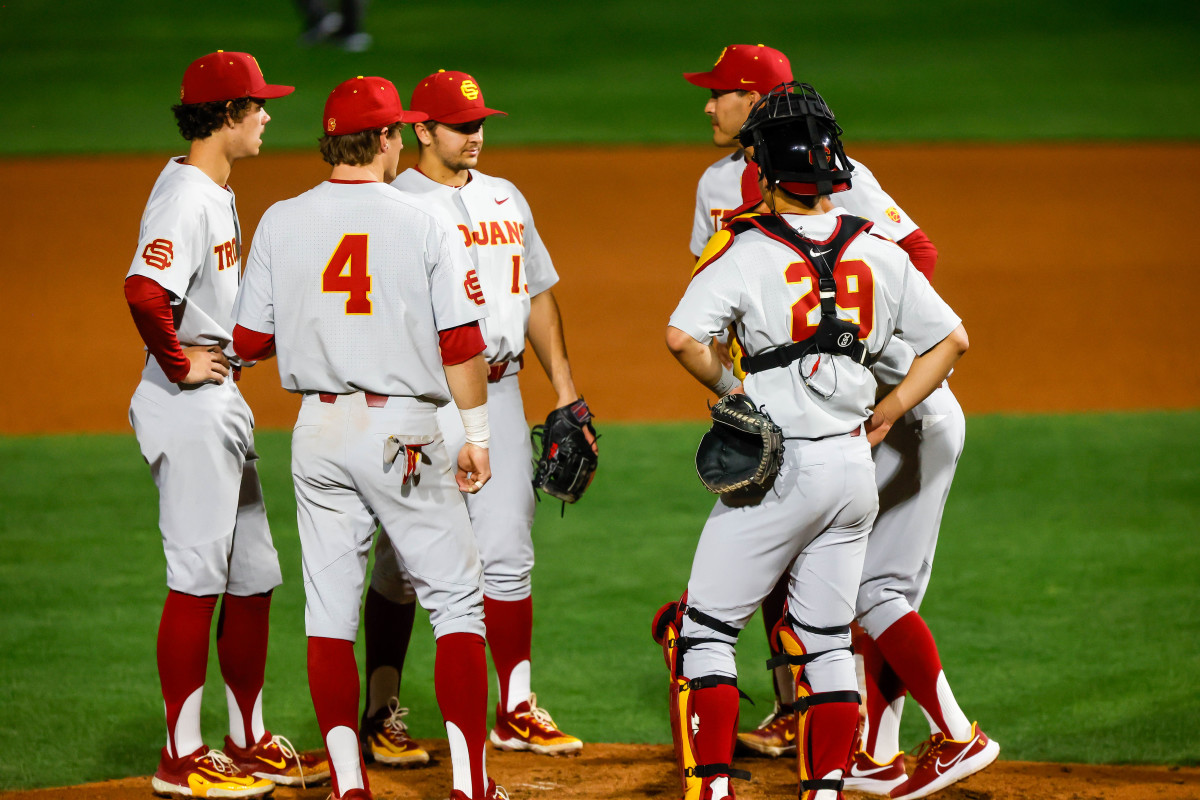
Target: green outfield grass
point(1064, 600)
point(84, 77)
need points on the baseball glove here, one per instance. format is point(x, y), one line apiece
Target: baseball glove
point(566, 463)
point(740, 455)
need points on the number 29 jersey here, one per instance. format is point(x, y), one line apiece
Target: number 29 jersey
point(494, 222)
point(355, 281)
point(769, 292)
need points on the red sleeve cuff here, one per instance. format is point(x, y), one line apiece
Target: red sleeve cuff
point(150, 305)
point(461, 344)
point(252, 345)
point(920, 251)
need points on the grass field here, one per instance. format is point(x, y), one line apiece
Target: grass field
point(83, 77)
point(1065, 596)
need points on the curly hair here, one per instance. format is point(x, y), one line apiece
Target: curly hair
point(354, 149)
point(201, 120)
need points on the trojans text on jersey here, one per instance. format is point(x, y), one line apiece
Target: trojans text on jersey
point(494, 232)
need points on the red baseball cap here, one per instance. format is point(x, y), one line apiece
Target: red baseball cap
point(747, 67)
point(751, 191)
point(226, 76)
point(361, 104)
point(451, 97)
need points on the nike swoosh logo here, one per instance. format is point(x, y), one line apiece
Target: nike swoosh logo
point(743, 80)
point(789, 735)
point(523, 733)
point(220, 778)
point(819, 252)
point(501, 202)
point(866, 773)
point(941, 768)
point(276, 764)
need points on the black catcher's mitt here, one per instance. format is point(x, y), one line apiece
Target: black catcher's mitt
point(565, 461)
point(740, 455)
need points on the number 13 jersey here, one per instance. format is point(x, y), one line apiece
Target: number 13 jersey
point(494, 222)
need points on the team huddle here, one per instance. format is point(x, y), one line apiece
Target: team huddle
point(399, 303)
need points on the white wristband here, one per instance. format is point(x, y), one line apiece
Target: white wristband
point(475, 422)
point(727, 383)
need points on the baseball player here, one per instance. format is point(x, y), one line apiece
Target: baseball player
point(368, 303)
point(195, 431)
point(763, 277)
point(915, 466)
point(513, 270)
point(741, 75)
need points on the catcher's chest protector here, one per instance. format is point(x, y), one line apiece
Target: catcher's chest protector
point(833, 335)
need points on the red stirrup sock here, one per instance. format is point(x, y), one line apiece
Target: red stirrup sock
point(242, 629)
point(183, 635)
point(510, 638)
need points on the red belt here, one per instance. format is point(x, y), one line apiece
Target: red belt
point(496, 371)
point(373, 400)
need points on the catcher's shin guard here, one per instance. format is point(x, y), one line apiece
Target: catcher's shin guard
point(686, 715)
point(827, 722)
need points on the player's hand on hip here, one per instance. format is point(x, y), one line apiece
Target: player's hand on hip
point(877, 428)
point(208, 363)
point(474, 468)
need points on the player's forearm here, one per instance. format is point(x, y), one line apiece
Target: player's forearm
point(700, 360)
point(468, 382)
point(550, 345)
point(150, 306)
point(925, 374)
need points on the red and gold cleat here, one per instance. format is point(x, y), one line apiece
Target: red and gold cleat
point(205, 773)
point(942, 761)
point(493, 792)
point(274, 759)
point(775, 737)
point(869, 776)
point(531, 728)
point(385, 738)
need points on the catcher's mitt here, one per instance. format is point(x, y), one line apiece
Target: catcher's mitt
point(740, 455)
point(565, 461)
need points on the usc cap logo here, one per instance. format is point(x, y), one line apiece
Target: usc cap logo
point(469, 89)
point(331, 125)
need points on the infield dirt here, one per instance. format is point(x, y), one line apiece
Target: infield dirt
point(1079, 289)
point(647, 772)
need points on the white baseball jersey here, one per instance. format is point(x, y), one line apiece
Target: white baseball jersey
point(344, 275)
point(493, 220)
point(720, 192)
point(190, 244)
point(766, 290)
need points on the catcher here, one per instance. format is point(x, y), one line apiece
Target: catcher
point(813, 298)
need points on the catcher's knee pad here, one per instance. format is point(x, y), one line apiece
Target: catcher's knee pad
point(666, 629)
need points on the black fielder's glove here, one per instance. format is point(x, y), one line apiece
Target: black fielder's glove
point(566, 463)
point(739, 457)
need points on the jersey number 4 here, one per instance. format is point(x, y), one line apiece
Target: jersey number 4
point(855, 296)
point(347, 272)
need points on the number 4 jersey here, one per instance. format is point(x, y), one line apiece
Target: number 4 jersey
point(494, 222)
point(769, 292)
point(355, 281)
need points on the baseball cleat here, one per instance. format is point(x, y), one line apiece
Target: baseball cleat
point(493, 792)
point(385, 738)
point(205, 773)
point(274, 759)
point(942, 761)
point(531, 728)
point(775, 737)
point(869, 776)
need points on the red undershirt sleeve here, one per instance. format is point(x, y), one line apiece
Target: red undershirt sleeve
point(252, 345)
point(461, 344)
point(920, 251)
point(150, 305)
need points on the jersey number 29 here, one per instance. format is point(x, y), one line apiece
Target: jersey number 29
point(855, 296)
point(347, 272)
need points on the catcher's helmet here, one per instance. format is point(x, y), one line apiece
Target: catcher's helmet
point(795, 141)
